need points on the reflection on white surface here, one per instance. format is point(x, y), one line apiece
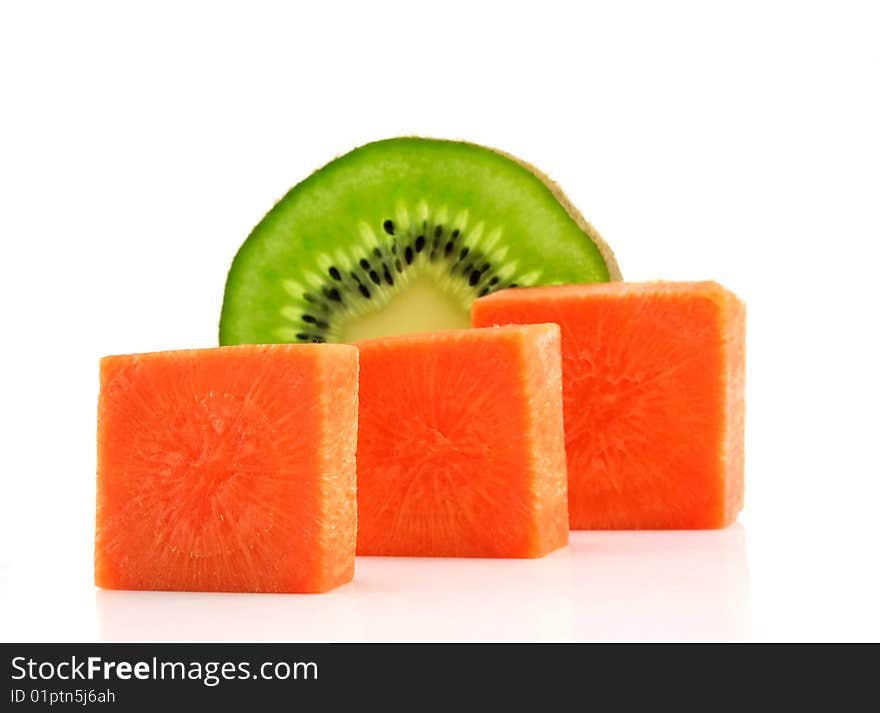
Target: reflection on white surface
point(604, 585)
point(663, 585)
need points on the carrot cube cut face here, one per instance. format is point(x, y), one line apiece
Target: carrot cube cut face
point(653, 386)
point(460, 444)
point(229, 469)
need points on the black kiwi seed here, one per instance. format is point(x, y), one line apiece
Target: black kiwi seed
point(436, 241)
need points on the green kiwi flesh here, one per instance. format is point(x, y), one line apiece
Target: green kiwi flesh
point(400, 236)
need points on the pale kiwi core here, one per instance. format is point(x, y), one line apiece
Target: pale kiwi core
point(421, 306)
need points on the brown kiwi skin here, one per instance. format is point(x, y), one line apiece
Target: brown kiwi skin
point(574, 213)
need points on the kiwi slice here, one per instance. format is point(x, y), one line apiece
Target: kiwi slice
point(400, 236)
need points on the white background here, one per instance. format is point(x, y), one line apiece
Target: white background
point(139, 145)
